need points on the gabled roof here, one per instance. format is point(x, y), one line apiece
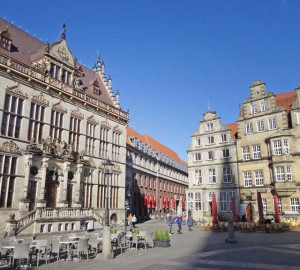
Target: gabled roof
point(26, 48)
point(233, 129)
point(156, 145)
point(285, 100)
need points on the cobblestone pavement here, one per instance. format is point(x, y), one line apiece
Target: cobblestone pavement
point(203, 250)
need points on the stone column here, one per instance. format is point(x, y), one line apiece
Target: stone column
point(41, 201)
point(76, 197)
point(63, 197)
point(24, 202)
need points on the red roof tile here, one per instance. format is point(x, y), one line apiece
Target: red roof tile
point(156, 145)
point(233, 129)
point(286, 100)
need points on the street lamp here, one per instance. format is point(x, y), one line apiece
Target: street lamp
point(107, 172)
point(106, 250)
point(127, 207)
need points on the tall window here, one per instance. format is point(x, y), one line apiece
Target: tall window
point(223, 202)
point(210, 140)
point(209, 126)
point(210, 155)
point(246, 153)
point(249, 128)
point(12, 116)
point(260, 126)
point(198, 177)
point(272, 123)
point(289, 175)
point(226, 175)
point(212, 176)
point(103, 149)
point(8, 166)
point(198, 201)
point(286, 146)
point(279, 170)
point(56, 124)
point(280, 205)
point(253, 109)
point(197, 142)
point(223, 137)
point(259, 178)
point(277, 148)
point(264, 106)
point(116, 144)
point(265, 206)
point(74, 132)
point(225, 153)
point(247, 179)
point(90, 138)
point(295, 204)
point(197, 156)
point(256, 152)
point(36, 122)
point(190, 200)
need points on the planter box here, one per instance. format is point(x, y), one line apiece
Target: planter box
point(162, 243)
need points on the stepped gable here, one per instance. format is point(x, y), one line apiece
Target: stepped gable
point(286, 100)
point(155, 145)
point(233, 129)
point(26, 48)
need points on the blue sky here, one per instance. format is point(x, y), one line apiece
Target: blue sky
point(172, 59)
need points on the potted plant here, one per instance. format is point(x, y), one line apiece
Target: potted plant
point(161, 238)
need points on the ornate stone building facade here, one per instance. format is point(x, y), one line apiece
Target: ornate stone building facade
point(268, 149)
point(59, 122)
point(156, 178)
point(260, 156)
point(212, 168)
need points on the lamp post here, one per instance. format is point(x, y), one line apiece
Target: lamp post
point(106, 251)
point(127, 201)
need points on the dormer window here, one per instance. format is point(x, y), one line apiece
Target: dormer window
point(95, 87)
point(5, 40)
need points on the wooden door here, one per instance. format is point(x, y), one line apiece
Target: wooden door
point(32, 194)
point(51, 192)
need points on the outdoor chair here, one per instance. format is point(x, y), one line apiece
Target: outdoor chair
point(149, 239)
point(81, 248)
point(56, 249)
point(136, 240)
point(94, 244)
point(21, 253)
point(41, 250)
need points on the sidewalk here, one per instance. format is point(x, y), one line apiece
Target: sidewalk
point(204, 250)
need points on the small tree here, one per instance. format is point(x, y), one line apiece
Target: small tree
point(166, 235)
point(156, 235)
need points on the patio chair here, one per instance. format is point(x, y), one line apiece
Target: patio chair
point(81, 248)
point(136, 240)
point(149, 239)
point(21, 252)
point(94, 244)
point(56, 249)
point(41, 250)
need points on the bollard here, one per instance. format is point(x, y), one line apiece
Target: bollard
point(231, 237)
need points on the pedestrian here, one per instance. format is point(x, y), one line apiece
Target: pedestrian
point(134, 220)
point(183, 219)
point(170, 224)
point(130, 220)
point(179, 223)
point(83, 224)
point(190, 223)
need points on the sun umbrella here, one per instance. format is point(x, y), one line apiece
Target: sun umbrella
point(173, 203)
point(183, 204)
point(214, 210)
point(149, 201)
point(153, 201)
point(260, 208)
point(234, 212)
point(276, 207)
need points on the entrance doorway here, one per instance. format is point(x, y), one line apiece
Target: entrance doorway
point(32, 194)
point(51, 189)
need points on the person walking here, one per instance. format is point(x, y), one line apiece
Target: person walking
point(134, 220)
point(190, 223)
point(170, 224)
point(179, 223)
point(130, 220)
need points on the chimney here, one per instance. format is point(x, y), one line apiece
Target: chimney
point(117, 103)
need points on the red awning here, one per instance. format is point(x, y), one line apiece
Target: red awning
point(153, 201)
point(168, 202)
point(149, 201)
point(173, 203)
point(145, 199)
point(183, 204)
point(163, 202)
